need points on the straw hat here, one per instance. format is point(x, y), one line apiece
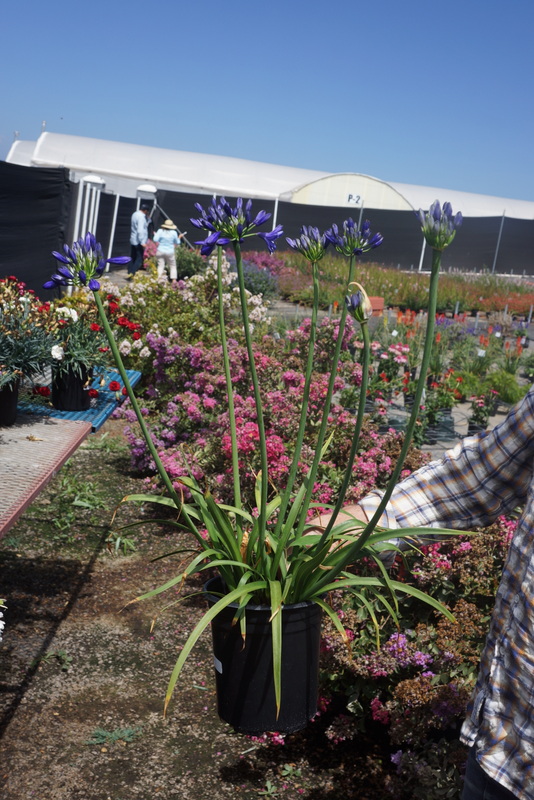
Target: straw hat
point(169, 224)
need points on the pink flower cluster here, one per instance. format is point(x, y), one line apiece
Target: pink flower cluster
point(189, 419)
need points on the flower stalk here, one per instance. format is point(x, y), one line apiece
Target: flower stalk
point(135, 405)
point(264, 465)
point(229, 389)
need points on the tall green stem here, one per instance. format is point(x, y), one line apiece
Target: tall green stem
point(354, 549)
point(356, 436)
point(262, 516)
point(302, 423)
point(310, 478)
point(142, 424)
point(229, 388)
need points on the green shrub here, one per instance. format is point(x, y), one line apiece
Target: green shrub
point(260, 281)
point(188, 262)
point(527, 363)
point(507, 386)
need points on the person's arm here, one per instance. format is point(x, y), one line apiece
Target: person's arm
point(473, 484)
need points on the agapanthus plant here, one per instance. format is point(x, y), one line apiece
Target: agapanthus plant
point(271, 554)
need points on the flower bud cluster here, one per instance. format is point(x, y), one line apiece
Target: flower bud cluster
point(439, 225)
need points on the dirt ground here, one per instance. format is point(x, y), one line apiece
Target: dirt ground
point(83, 675)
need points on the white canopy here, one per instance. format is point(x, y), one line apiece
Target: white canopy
point(124, 166)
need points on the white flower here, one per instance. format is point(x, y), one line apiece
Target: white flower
point(137, 345)
point(145, 352)
point(394, 333)
point(125, 347)
point(65, 313)
point(57, 352)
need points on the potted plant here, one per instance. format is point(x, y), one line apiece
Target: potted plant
point(441, 396)
point(482, 408)
point(24, 343)
point(269, 558)
point(80, 347)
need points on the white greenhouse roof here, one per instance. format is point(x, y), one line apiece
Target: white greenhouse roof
point(123, 167)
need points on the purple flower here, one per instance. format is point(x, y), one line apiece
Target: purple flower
point(439, 225)
point(82, 264)
point(310, 243)
point(226, 224)
point(270, 237)
point(352, 241)
point(358, 304)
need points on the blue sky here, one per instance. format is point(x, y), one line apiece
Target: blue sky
point(439, 94)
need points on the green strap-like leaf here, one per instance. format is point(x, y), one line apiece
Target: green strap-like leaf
point(275, 590)
point(201, 626)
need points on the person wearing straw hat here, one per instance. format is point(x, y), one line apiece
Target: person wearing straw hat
point(167, 239)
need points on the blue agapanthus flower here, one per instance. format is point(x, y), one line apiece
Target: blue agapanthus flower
point(311, 243)
point(353, 242)
point(82, 264)
point(439, 224)
point(226, 224)
point(358, 304)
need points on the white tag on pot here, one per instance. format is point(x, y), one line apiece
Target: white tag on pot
point(481, 353)
point(217, 664)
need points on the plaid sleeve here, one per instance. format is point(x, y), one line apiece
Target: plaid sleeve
point(481, 478)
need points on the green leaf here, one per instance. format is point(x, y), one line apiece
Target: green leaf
point(195, 634)
point(276, 628)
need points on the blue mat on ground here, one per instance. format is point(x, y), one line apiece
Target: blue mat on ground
point(102, 407)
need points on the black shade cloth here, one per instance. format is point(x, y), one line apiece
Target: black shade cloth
point(35, 208)
point(38, 208)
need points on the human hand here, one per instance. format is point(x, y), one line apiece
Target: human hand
point(350, 512)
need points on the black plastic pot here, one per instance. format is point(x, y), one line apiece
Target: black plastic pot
point(443, 429)
point(244, 671)
point(70, 390)
point(9, 397)
point(473, 428)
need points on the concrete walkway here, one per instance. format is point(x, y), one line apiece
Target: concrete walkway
point(31, 452)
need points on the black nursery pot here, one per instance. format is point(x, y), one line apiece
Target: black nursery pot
point(244, 672)
point(70, 390)
point(474, 428)
point(9, 397)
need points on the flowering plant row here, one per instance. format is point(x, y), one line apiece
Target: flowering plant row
point(405, 289)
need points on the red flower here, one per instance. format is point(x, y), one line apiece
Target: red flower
point(124, 391)
point(43, 391)
point(136, 336)
point(95, 326)
point(124, 321)
point(113, 307)
point(93, 392)
point(114, 386)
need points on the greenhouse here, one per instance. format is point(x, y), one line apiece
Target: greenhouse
point(61, 185)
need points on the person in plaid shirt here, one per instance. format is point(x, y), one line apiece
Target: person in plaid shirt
point(481, 478)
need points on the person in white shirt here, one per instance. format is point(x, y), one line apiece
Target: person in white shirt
point(167, 239)
point(138, 238)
